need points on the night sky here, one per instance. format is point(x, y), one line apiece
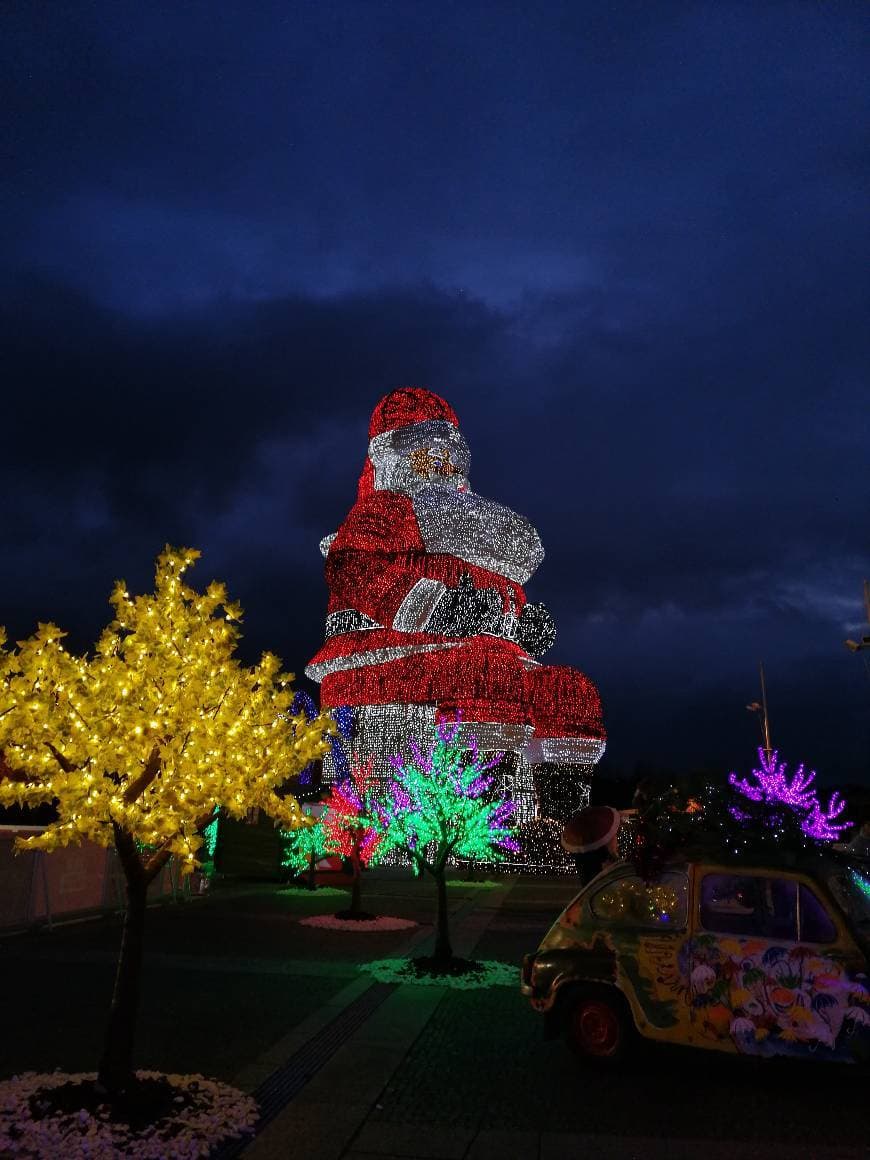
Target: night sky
point(627, 241)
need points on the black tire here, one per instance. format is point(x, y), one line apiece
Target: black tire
point(598, 1026)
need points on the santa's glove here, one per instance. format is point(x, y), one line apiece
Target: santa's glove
point(466, 610)
point(536, 631)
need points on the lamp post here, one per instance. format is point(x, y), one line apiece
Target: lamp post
point(864, 642)
point(761, 710)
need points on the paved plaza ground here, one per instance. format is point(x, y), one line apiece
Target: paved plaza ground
point(237, 989)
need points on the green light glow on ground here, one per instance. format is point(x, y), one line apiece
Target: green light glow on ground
point(490, 973)
point(320, 892)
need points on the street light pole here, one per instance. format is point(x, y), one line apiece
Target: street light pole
point(761, 710)
point(864, 642)
point(768, 749)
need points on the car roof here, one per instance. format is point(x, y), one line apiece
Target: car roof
point(814, 863)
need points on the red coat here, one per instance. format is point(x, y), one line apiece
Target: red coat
point(374, 562)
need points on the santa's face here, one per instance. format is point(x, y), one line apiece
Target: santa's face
point(433, 462)
point(422, 455)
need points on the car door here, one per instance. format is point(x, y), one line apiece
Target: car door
point(647, 925)
point(769, 971)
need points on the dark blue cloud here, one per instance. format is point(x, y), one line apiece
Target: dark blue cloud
point(627, 242)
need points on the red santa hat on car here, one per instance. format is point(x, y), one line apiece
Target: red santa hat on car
point(400, 409)
point(591, 829)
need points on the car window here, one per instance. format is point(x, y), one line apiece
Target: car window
point(749, 904)
point(780, 899)
point(851, 887)
point(816, 924)
point(629, 901)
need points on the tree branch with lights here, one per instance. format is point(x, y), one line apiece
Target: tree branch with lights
point(345, 828)
point(302, 848)
point(350, 831)
point(769, 812)
point(138, 744)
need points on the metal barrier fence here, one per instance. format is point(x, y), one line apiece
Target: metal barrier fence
point(37, 889)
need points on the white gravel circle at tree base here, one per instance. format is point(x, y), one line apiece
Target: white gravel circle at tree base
point(212, 1113)
point(331, 922)
point(490, 974)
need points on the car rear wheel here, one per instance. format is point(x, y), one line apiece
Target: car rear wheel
point(598, 1028)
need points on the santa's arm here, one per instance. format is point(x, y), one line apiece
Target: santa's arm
point(412, 591)
point(414, 614)
point(379, 565)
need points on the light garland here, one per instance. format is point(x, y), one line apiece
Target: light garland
point(651, 904)
point(428, 620)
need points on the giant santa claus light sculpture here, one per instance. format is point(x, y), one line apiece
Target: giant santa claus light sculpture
point(427, 619)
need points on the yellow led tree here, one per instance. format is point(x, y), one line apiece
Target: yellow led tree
point(137, 746)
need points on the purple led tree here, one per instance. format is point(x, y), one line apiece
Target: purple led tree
point(438, 805)
point(773, 786)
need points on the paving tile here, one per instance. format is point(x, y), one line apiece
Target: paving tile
point(354, 1155)
point(761, 1149)
point(308, 1132)
point(496, 1144)
point(259, 1069)
point(359, 1071)
point(432, 1142)
point(402, 1017)
point(568, 1146)
point(362, 1067)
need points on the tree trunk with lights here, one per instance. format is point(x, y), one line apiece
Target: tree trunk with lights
point(356, 886)
point(443, 949)
point(115, 1073)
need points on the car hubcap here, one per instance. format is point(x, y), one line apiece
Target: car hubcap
point(597, 1028)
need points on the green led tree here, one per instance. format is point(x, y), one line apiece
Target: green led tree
point(138, 744)
point(302, 848)
point(438, 804)
point(344, 829)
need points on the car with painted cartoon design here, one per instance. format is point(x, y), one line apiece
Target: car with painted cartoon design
point(759, 959)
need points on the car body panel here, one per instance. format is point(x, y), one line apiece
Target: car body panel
point(733, 990)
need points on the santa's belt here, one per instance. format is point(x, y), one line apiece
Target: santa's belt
point(350, 620)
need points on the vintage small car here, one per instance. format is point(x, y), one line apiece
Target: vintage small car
point(761, 959)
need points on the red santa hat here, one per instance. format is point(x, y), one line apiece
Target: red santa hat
point(406, 406)
point(591, 829)
point(403, 408)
